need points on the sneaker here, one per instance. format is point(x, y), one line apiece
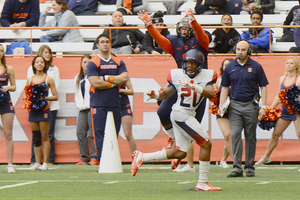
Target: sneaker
point(223, 164)
point(10, 169)
point(207, 187)
point(137, 162)
point(44, 167)
point(34, 167)
point(263, 161)
point(186, 168)
point(81, 163)
point(94, 162)
point(169, 144)
point(175, 163)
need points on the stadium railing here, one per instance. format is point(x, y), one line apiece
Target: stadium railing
point(90, 33)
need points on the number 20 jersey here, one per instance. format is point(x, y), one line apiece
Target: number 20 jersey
point(187, 99)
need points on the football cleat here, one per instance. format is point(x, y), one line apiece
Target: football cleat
point(168, 144)
point(207, 187)
point(137, 162)
point(175, 163)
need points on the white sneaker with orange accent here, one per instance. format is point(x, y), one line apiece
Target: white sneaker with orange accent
point(168, 144)
point(137, 162)
point(175, 163)
point(207, 187)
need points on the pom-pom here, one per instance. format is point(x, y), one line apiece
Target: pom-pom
point(213, 108)
point(292, 95)
point(35, 96)
point(2, 96)
point(270, 119)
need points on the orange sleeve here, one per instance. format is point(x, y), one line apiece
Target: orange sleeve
point(161, 40)
point(201, 36)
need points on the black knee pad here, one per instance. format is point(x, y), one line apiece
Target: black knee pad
point(37, 138)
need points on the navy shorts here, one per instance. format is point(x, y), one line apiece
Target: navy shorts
point(6, 105)
point(125, 106)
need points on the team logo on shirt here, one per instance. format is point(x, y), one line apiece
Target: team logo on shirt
point(108, 66)
point(249, 69)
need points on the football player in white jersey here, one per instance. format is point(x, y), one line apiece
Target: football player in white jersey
point(192, 84)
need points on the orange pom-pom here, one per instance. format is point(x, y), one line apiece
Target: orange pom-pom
point(215, 99)
point(28, 97)
point(213, 109)
point(285, 102)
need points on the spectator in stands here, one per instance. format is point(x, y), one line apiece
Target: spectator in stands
point(20, 13)
point(83, 7)
point(108, 2)
point(53, 71)
point(209, 7)
point(62, 18)
point(131, 7)
point(84, 130)
point(124, 41)
point(226, 38)
point(266, 6)
point(172, 6)
point(293, 18)
point(297, 42)
point(150, 45)
point(234, 6)
point(257, 37)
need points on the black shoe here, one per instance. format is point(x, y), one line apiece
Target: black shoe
point(250, 174)
point(234, 174)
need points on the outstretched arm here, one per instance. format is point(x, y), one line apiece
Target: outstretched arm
point(161, 40)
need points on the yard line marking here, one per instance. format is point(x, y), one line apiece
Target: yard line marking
point(16, 185)
point(185, 182)
point(112, 182)
point(265, 182)
point(155, 168)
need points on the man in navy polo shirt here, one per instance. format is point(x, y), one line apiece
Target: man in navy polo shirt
point(244, 76)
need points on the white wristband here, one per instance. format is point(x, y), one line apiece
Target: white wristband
point(106, 77)
point(198, 89)
point(264, 107)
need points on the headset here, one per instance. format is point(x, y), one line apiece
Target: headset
point(250, 49)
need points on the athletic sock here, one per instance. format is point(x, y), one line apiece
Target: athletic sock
point(159, 155)
point(203, 171)
point(170, 133)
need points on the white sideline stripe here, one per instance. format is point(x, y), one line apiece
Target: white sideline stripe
point(146, 181)
point(16, 185)
point(26, 169)
point(276, 167)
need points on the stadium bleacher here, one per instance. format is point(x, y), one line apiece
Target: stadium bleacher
point(103, 19)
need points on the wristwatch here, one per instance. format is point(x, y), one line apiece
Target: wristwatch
point(264, 107)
